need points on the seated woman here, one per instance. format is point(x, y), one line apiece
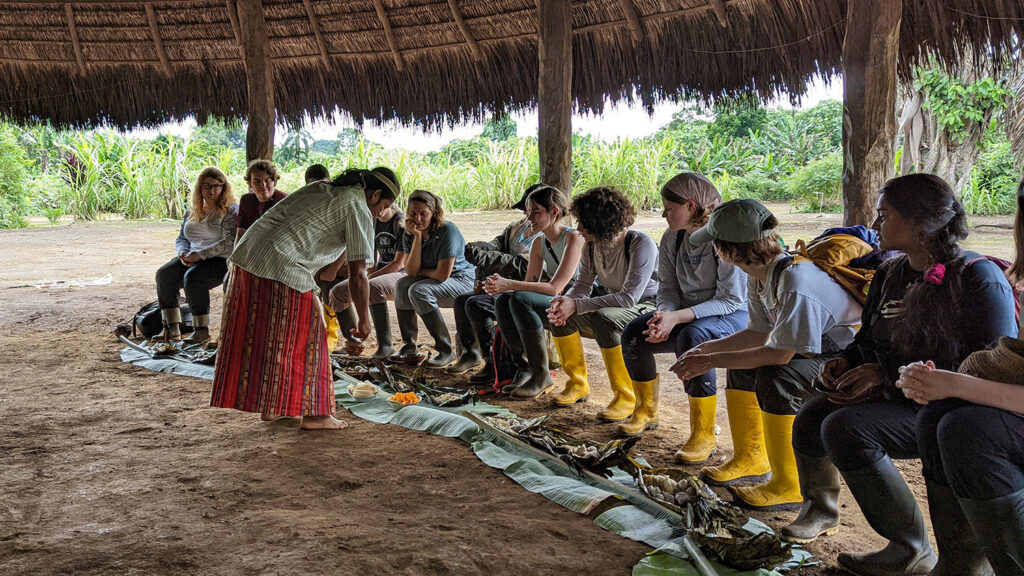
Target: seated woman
point(384, 275)
point(521, 306)
point(625, 263)
point(205, 241)
point(261, 176)
point(700, 297)
point(934, 302)
point(971, 439)
point(436, 273)
point(506, 255)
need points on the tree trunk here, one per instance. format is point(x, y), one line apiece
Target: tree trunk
point(869, 103)
point(259, 73)
point(555, 94)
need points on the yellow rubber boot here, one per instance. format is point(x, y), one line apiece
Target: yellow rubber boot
point(623, 398)
point(702, 442)
point(749, 463)
point(645, 412)
point(577, 389)
point(782, 492)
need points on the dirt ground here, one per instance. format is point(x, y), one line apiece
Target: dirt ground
point(107, 468)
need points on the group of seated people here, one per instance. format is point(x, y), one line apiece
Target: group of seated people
point(819, 386)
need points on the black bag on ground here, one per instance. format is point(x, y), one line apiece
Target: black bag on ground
point(501, 358)
point(148, 323)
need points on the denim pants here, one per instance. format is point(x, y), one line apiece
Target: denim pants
point(197, 281)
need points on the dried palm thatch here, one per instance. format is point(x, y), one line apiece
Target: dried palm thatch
point(438, 62)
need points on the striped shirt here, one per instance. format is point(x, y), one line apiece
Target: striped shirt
point(306, 231)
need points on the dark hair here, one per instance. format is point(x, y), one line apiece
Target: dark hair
point(264, 165)
point(380, 178)
point(603, 212)
point(926, 330)
point(1016, 272)
point(548, 197)
point(756, 253)
point(317, 172)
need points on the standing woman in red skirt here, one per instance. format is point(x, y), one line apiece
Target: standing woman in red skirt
point(273, 356)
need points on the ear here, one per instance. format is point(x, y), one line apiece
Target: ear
point(375, 198)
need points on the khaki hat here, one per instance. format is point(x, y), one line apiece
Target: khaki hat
point(1004, 363)
point(735, 221)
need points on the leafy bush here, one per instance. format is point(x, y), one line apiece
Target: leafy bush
point(818, 186)
point(47, 191)
point(759, 186)
point(14, 199)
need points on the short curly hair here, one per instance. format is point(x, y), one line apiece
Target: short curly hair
point(603, 212)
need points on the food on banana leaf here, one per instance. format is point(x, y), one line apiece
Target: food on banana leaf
point(515, 426)
point(597, 457)
point(702, 510)
point(362, 390)
point(444, 396)
point(745, 550)
point(405, 398)
point(163, 349)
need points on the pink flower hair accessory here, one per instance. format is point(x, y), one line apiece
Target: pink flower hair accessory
point(935, 274)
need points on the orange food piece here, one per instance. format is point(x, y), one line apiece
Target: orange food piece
point(405, 398)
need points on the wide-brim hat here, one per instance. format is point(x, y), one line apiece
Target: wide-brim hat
point(1003, 363)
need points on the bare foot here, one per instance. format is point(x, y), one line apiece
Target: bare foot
point(322, 423)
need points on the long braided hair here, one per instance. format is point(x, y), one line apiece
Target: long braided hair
point(927, 329)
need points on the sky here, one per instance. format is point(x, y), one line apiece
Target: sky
point(620, 121)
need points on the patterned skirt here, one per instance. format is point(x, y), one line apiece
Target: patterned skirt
point(273, 356)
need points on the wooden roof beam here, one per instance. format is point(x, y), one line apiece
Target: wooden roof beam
point(719, 7)
point(79, 57)
point(235, 28)
point(314, 22)
point(154, 30)
point(389, 34)
point(461, 23)
point(636, 26)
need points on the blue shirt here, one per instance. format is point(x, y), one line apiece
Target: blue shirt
point(445, 242)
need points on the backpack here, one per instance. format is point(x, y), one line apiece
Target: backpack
point(843, 253)
point(501, 358)
point(148, 323)
point(1004, 265)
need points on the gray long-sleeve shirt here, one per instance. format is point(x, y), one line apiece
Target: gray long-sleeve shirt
point(627, 284)
point(211, 237)
point(694, 277)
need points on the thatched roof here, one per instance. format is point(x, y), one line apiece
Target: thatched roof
point(132, 62)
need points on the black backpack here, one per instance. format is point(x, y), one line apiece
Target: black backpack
point(501, 356)
point(148, 323)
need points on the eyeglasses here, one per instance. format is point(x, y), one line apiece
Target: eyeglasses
point(262, 181)
point(212, 187)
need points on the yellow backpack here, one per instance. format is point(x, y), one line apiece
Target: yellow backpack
point(833, 254)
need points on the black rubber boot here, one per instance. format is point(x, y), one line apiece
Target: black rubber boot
point(535, 347)
point(959, 551)
point(435, 325)
point(522, 375)
point(890, 509)
point(819, 485)
point(471, 356)
point(346, 323)
point(999, 525)
point(408, 327)
point(382, 327)
point(484, 376)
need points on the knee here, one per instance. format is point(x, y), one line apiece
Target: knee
point(339, 295)
point(808, 425)
point(958, 446)
point(378, 292)
point(691, 336)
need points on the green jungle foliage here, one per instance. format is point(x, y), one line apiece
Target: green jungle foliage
point(747, 150)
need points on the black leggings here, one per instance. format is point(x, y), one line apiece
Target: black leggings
point(197, 280)
point(977, 451)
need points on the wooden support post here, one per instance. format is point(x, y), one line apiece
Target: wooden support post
point(554, 96)
point(314, 22)
point(719, 7)
point(389, 34)
point(79, 57)
point(259, 72)
point(235, 28)
point(474, 48)
point(870, 50)
point(154, 31)
point(633, 18)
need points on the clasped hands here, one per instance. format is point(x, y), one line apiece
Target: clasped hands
point(189, 258)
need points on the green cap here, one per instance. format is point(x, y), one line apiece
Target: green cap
point(734, 221)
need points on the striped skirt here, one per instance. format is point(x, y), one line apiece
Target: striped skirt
point(273, 356)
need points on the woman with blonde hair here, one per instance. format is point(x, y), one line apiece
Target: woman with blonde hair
point(205, 241)
point(700, 298)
